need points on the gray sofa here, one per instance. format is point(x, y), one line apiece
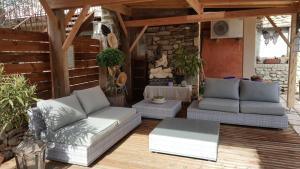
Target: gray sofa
point(81, 127)
point(240, 102)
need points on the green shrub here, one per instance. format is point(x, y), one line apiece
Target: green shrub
point(16, 97)
point(185, 63)
point(110, 57)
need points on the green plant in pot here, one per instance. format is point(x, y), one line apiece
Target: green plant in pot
point(112, 59)
point(186, 64)
point(16, 97)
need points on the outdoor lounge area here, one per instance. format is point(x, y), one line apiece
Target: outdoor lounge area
point(149, 84)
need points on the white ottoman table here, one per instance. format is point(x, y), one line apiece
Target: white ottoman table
point(158, 111)
point(186, 137)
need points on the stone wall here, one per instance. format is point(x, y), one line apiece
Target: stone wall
point(168, 38)
point(275, 72)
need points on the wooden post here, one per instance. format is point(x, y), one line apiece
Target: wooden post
point(58, 58)
point(292, 64)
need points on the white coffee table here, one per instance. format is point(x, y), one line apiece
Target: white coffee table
point(158, 111)
point(186, 137)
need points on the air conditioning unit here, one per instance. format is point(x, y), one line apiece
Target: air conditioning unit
point(230, 28)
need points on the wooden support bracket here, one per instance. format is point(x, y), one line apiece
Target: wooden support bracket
point(138, 38)
point(122, 24)
point(278, 30)
point(69, 16)
point(48, 10)
point(75, 28)
point(196, 5)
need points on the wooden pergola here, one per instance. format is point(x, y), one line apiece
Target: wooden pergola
point(204, 10)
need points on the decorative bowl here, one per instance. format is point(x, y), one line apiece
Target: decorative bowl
point(158, 100)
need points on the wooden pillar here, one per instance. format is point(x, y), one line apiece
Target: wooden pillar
point(292, 64)
point(58, 58)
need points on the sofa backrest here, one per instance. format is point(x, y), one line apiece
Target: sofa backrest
point(92, 99)
point(222, 88)
point(259, 91)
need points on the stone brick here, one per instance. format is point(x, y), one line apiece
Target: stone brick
point(163, 42)
point(164, 33)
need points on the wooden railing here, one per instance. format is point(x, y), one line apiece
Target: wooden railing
point(28, 15)
point(21, 13)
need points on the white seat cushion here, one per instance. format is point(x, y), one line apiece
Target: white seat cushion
point(119, 114)
point(92, 99)
point(85, 132)
point(61, 112)
point(224, 105)
point(258, 107)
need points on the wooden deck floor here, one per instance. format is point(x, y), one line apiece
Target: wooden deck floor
point(240, 147)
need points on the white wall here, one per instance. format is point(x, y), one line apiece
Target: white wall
point(249, 58)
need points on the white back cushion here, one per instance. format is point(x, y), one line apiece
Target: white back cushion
point(61, 112)
point(92, 99)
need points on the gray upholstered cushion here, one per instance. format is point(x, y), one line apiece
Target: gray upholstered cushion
point(267, 108)
point(119, 114)
point(259, 91)
point(96, 127)
point(61, 112)
point(92, 99)
point(222, 88)
point(84, 132)
point(224, 105)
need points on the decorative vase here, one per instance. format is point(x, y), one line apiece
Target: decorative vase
point(118, 100)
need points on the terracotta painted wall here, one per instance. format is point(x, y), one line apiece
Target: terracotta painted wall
point(223, 57)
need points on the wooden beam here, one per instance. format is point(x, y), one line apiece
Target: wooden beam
point(292, 64)
point(86, 22)
point(278, 30)
point(66, 4)
point(196, 5)
point(138, 38)
point(75, 28)
point(121, 21)
point(119, 9)
point(69, 16)
point(48, 10)
point(58, 59)
point(210, 16)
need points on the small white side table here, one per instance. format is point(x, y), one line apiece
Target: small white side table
point(169, 92)
point(158, 111)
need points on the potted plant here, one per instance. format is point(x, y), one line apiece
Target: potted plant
point(16, 97)
point(186, 64)
point(112, 59)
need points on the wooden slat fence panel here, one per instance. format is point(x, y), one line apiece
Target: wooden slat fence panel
point(27, 53)
point(86, 72)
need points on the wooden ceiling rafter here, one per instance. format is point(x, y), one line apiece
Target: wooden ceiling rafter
point(119, 9)
point(67, 4)
point(75, 28)
point(210, 16)
point(196, 5)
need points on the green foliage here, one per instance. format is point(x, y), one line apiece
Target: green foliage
point(186, 63)
point(16, 97)
point(110, 57)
